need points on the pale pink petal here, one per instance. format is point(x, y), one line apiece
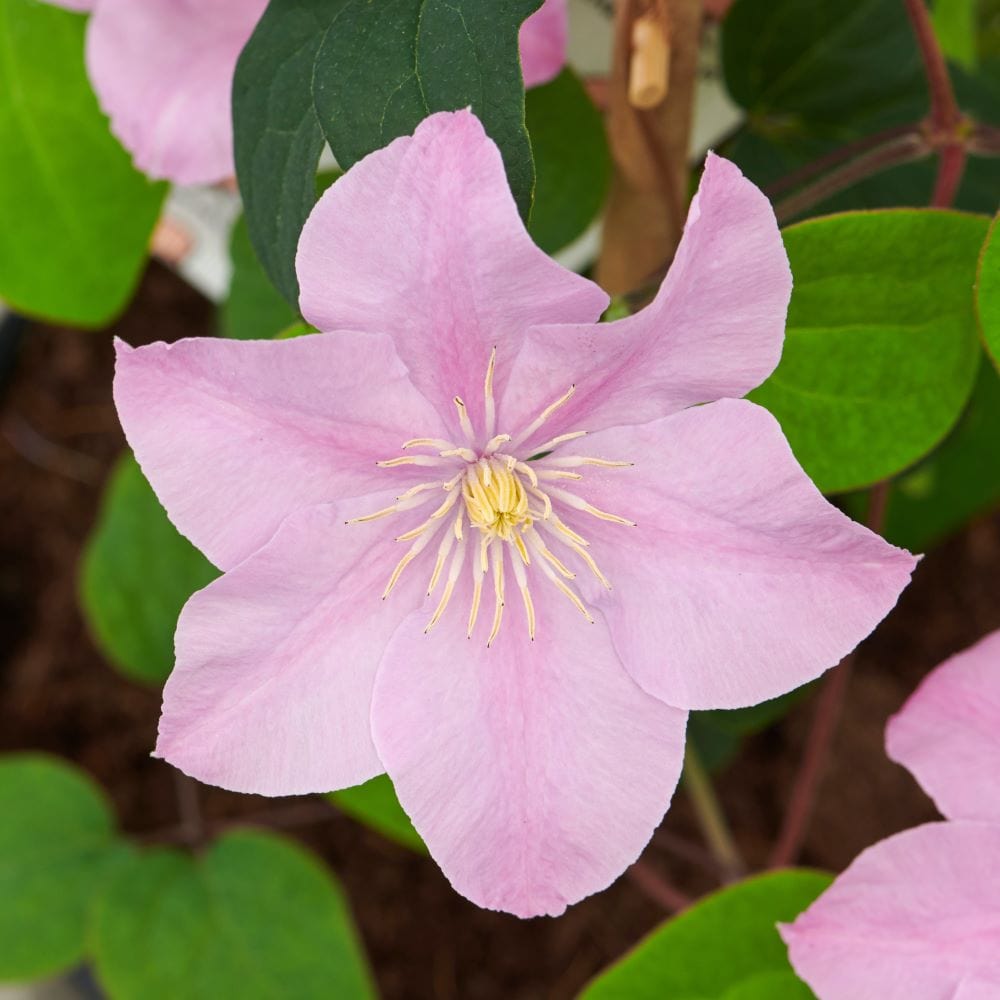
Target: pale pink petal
point(543, 41)
point(535, 771)
point(271, 692)
point(422, 240)
point(234, 435)
point(163, 72)
point(948, 733)
point(714, 330)
point(739, 581)
point(916, 917)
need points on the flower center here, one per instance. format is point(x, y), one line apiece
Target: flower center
point(495, 498)
point(514, 504)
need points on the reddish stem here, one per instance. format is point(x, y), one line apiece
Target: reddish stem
point(828, 711)
point(945, 114)
point(951, 167)
point(657, 888)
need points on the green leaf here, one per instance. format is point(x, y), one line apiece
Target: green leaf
point(375, 804)
point(136, 575)
point(254, 309)
point(955, 27)
point(255, 917)
point(359, 74)
point(881, 348)
point(725, 947)
point(57, 842)
point(958, 481)
point(988, 292)
point(76, 214)
point(572, 161)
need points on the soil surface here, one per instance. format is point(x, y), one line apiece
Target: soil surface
point(58, 438)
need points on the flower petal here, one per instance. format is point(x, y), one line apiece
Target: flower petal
point(271, 692)
point(714, 330)
point(913, 918)
point(740, 581)
point(948, 733)
point(535, 771)
point(163, 71)
point(543, 41)
point(422, 240)
point(234, 435)
point(79, 5)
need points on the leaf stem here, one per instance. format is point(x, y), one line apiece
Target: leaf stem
point(945, 114)
point(829, 708)
point(711, 818)
point(657, 888)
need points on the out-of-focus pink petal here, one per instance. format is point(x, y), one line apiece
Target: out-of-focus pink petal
point(271, 692)
point(948, 733)
point(714, 330)
point(543, 41)
point(535, 771)
point(915, 917)
point(739, 581)
point(163, 72)
point(234, 435)
point(422, 240)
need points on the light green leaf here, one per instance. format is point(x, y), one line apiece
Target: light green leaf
point(988, 292)
point(136, 575)
point(375, 804)
point(76, 215)
point(881, 348)
point(358, 75)
point(57, 844)
point(572, 162)
point(256, 917)
point(955, 27)
point(956, 482)
point(725, 947)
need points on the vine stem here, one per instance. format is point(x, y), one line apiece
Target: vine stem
point(657, 888)
point(945, 114)
point(829, 708)
point(711, 818)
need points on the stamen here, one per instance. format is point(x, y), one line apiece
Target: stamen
point(436, 443)
point(443, 549)
point(535, 541)
point(464, 421)
point(491, 409)
point(495, 442)
point(568, 591)
point(466, 454)
point(477, 595)
point(558, 474)
point(576, 503)
point(415, 549)
point(529, 606)
point(456, 565)
point(527, 470)
point(546, 502)
point(428, 460)
point(544, 415)
point(384, 512)
point(498, 590)
point(572, 461)
point(457, 526)
point(562, 527)
point(556, 441)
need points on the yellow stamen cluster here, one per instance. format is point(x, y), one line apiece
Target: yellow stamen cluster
point(508, 501)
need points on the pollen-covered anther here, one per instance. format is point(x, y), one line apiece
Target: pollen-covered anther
point(499, 503)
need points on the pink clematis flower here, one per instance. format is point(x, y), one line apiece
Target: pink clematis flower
point(543, 42)
point(475, 539)
point(917, 916)
point(163, 73)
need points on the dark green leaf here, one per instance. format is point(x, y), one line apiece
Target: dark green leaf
point(256, 917)
point(76, 215)
point(359, 74)
point(725, 947)
point(254, 309)
point(57, 843)
point(958, 481)
point(988, 292)
point(572, 162)
point(137, 573)
point(881, 349)
point(375, 804)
